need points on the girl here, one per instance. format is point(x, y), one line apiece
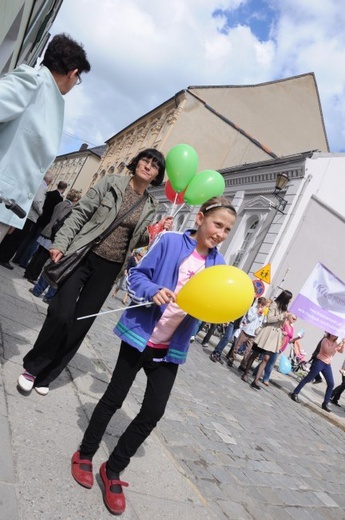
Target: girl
point(155, 338)
point(322, 363)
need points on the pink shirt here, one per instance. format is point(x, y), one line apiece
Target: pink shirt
point(327, 350)
point(173, 315)
point(288, 329)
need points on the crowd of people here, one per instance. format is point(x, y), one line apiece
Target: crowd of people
point(110, 223)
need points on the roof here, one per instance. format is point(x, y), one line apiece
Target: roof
point(285, 116)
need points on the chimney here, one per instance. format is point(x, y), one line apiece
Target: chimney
point(83, 147)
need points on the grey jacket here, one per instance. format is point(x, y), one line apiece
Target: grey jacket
point(95, 212)
point(60, 210)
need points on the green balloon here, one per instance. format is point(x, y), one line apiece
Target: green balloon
point(203, 186)
point(181, 166)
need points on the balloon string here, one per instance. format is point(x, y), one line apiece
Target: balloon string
point(147, 304)
point(179, 209)
point(171, 213)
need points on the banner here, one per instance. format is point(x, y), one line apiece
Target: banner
point(321, 301)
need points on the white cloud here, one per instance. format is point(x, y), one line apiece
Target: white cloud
point(142, 53)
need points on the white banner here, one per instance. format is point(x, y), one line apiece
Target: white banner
point(321, 301)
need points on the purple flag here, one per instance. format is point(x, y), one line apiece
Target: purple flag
point(321, 301)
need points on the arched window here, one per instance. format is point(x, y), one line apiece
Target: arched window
point(247, 241)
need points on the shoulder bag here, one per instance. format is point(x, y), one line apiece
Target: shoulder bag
point(56, 273)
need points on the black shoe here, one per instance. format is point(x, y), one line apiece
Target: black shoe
point(325, 407)
point(295, 398)
point(29, 279)
point(7, 265)
point(229, 363)
point(317, 381)
point(241, 368)
point(213, 357)
point(254, 385)
point(335, 402)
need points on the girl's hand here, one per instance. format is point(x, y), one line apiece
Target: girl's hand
point(164, 296)
point(55, 255)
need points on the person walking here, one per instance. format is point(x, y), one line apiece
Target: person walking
point(59, 214)
point(288, 337)
point(322, 364)
point(40, 257)
point(28, 247)
point(154, 338)
point(85, 290)
point(250, 323)
point(31, 122)
point(269, 339)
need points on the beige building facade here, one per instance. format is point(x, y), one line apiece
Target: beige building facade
point(228, 125)
point(78, 169)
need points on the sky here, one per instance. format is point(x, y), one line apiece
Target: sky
point(142, 52)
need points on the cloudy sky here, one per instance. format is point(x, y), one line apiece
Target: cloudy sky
point(144, 51)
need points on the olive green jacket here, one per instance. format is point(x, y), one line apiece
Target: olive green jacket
point(96, 211)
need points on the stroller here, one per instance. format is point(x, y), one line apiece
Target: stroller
point(299, 363)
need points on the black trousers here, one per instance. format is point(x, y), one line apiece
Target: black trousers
point(83, 293)
point(12, 241)
point(160, 380)
point(36, 263)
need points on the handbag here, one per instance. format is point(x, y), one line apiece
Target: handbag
point(56, 273)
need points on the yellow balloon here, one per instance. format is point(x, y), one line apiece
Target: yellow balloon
point(217, 294)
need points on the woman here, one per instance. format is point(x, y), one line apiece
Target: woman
point(322, 363)
point(268, 341)
point(288, 337)
point(85, 291)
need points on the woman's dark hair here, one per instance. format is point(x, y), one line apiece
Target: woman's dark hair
point(217, 203)
point(283, 300)
point(64, 55)
point(157, 158)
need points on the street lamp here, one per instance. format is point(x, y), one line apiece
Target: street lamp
point(281, 182)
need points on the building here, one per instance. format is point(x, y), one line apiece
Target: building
point(228, 125)
point(24, 30)
point(78, 169)
point(292, 240)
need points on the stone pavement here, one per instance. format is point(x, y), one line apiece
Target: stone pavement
point(222, 451)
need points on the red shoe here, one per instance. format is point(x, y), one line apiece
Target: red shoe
point(115, 502)
point(82, 476)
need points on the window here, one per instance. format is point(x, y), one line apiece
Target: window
point(247, 241)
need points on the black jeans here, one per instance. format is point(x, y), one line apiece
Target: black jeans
point(160, 380)
point(83, 293)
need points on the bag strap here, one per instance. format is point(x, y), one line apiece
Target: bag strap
point(118, 220)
